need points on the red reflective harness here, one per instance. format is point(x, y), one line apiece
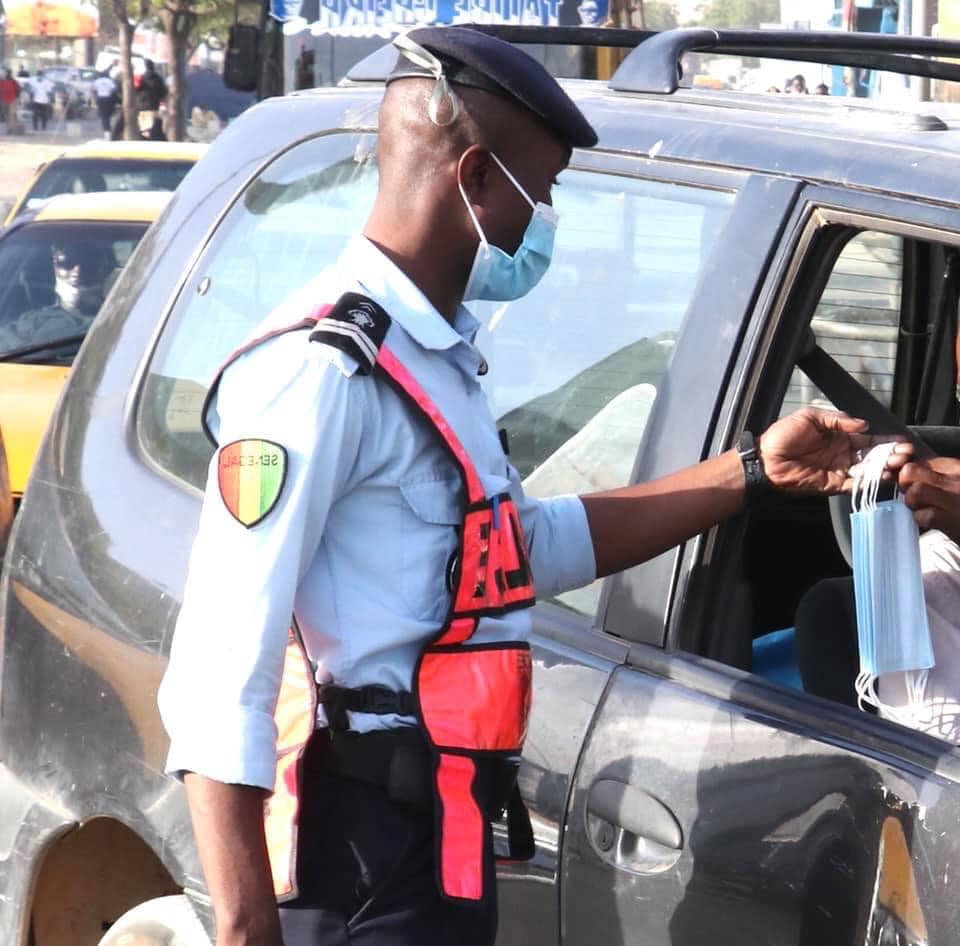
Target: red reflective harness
point(473, 700)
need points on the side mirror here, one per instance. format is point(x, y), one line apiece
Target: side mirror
point(241, 62)
point(6, 205)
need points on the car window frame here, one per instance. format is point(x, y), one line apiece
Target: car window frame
point(820, 226)
point(637, 603)
point(761, 196)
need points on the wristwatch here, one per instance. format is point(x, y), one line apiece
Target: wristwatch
point(755, 479)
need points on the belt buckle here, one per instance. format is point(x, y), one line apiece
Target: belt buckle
point(379, 699)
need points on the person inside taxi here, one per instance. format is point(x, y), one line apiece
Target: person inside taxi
point(80, 274)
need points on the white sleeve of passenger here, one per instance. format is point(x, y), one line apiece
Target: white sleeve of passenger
point(220, 689)
point(558, 539)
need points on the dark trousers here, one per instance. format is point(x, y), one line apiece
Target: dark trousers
point(367, 872)
point(105, 108)
point(41, 113)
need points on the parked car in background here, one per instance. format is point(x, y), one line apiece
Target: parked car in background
point(715, 253)
point(110, 166)
point(40, 330)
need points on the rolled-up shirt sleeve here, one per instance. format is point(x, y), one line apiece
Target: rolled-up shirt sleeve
point(558, 539)
point(220, 688)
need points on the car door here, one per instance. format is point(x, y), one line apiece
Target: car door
point(716, 805)
point(577, 373)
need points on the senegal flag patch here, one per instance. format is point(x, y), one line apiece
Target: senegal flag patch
point(251, 474)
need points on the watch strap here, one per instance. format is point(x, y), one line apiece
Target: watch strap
point(754, 476)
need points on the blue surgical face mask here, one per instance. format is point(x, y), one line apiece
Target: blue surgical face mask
point(497, 276)
point(892, 630)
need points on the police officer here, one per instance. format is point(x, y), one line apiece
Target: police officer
point(360, 486)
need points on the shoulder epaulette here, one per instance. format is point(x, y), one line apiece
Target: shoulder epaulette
point(357, 326)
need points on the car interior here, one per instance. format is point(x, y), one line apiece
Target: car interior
point(882, 311)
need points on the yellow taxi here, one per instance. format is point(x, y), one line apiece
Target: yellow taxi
point(57, 264)
point(109, 166)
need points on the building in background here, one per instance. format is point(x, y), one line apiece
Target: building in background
point(39, 33)
point(70, 19)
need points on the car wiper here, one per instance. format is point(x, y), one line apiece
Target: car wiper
point(15, 354)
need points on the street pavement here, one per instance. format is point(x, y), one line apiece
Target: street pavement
point(20, 155)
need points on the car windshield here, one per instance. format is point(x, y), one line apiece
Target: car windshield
point(53, 280)
point(89, 175)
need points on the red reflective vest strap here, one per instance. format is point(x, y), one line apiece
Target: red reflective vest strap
point(308, 322)
point(473, 699)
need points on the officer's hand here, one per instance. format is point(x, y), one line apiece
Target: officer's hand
point(931, 488)
point(811, 451)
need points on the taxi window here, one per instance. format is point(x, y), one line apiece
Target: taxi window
point(90, 175)
point(574, 366)
point(39, 307)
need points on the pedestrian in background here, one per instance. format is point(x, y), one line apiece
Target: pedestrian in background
point(9, 93)
point(151, 92)
point(105, 90)
point(41, 100)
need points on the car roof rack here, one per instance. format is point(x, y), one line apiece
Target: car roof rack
point(655, 65)
point(379, 64)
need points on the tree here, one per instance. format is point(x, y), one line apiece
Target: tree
point(129, 15)
point(187, 24)
point(179, 17)
point(739, 13)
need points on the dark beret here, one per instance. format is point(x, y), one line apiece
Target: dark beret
point(484, 62)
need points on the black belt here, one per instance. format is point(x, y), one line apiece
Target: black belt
point(373, 698)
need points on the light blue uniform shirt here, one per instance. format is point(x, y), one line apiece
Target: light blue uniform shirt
point(358, 543)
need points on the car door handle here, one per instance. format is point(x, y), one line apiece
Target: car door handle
point(635, 811)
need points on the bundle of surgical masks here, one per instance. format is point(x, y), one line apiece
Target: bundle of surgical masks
point(892, 627)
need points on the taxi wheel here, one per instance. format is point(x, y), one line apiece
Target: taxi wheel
point(166, 921)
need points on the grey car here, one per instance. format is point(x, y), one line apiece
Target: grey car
point(683, 787)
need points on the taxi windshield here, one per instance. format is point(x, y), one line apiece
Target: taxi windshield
point(53, 280)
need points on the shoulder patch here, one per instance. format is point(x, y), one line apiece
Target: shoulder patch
point(356, 325)
point(251, 474)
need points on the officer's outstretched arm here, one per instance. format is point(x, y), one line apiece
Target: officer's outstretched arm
point(810, 451)
point(228, 827)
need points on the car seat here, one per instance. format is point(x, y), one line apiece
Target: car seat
point(826, 640)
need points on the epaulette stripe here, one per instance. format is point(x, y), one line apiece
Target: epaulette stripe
point(348, 330)
point(356, 325)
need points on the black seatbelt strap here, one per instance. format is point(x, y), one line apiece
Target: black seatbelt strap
point(847, 394)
